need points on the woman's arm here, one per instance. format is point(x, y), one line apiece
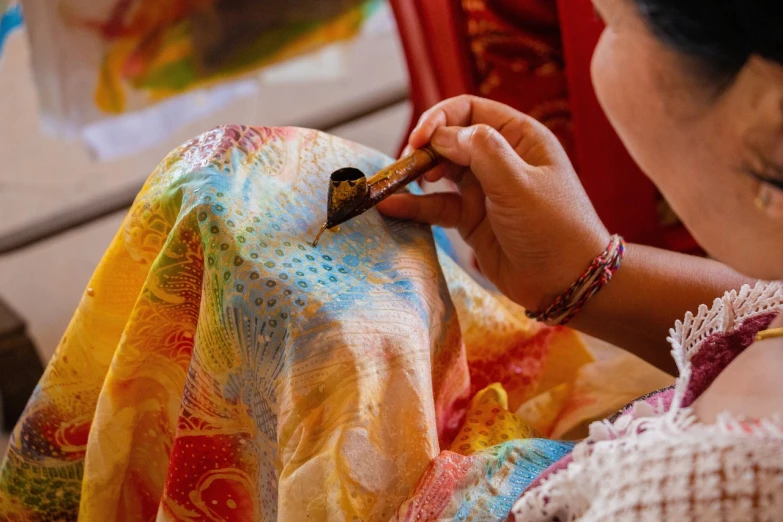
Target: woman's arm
point(521, 207)
point(651, 290)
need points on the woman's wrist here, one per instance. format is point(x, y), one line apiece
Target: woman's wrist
point(565, 270)
point(652, 290)
point(592, 280)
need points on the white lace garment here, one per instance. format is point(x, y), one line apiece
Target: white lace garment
point(655, 465)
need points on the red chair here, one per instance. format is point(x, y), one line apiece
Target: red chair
point(440, 64)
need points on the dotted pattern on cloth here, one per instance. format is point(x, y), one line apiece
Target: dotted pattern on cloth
point(488, 422)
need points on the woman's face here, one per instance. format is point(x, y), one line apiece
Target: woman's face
point(697, 141)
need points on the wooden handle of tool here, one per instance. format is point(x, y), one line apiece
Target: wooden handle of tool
point(397, 175)
point(389, 180)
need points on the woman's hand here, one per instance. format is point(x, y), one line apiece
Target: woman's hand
point(519, 204)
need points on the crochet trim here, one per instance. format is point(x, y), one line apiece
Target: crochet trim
point(727, 312)
point(686, 338)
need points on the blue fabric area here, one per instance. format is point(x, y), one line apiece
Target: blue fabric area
point(516, 463)
point(10, 20)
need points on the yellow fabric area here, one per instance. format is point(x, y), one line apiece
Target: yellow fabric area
point(488, 422)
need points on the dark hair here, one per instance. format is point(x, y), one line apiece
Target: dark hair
point(719, 34)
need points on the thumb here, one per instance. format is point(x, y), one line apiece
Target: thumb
point(485, 151)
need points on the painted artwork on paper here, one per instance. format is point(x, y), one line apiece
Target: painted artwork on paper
point(165, 48)
point(97, 61)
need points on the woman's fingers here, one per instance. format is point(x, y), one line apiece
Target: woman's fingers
point(446, 170)
point(461, 111)
point(430, 120)
point(486, 153)
point(441, 209)
point(529, 138)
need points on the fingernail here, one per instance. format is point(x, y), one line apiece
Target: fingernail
point(421, 119)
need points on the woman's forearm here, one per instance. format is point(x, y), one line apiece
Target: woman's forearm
point(651, 290)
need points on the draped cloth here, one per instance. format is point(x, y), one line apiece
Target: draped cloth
point(111, 63)
point(220, 368)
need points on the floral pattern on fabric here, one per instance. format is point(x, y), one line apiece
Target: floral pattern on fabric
point(220, 368)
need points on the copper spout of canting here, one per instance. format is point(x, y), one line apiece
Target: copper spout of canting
point(318, 236)
point(351, 193)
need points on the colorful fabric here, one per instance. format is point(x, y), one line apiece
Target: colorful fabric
point(10, 19)
point(493, 456)
point(100, 58)
point(656, 461)
point(220, 368)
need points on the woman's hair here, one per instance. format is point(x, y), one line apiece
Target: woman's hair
point(719, 34)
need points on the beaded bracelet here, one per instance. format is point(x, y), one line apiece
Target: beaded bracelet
point(597, 275)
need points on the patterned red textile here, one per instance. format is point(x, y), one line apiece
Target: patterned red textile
point(518, 53)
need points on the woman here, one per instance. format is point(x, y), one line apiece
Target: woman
point(695, 91)
point(699, 111)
